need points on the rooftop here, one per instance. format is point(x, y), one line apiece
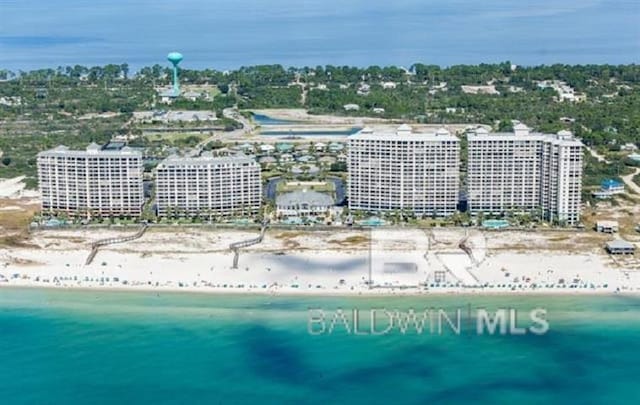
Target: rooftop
point(92, 149)
point(175, 160)
point(267, 159)
point(620, 244)
point(175, 115)
point(404, 133)
point(169, 93)
point(284, 146)
point(611, 183)
point(405, 128)
point(522, 132)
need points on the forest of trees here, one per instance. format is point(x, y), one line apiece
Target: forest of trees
point(612, 105)
point(52, 104)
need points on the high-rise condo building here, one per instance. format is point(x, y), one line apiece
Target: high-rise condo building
point(525, 172)
point(404, 171)
point(208, 186)
point(91, 182)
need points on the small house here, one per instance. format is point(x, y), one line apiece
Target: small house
point(607, 226)
point(620, 247)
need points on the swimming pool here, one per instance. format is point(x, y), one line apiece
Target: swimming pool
point(293, 221)
point(372, 221)
point(495, 223)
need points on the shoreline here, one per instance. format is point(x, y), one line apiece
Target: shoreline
point(289, 292)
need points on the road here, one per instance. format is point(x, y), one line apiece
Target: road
point(628, 180)
point(341, 192)
point(247, 128)
point(247, 125)
point(596, 155)
point(270, 188)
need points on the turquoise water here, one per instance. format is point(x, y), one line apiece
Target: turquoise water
point(242, 221)
point(284, 147)
point(262, 119)
point(293, 221)
point(372, 221)
point(85, 347)
point(495, 223)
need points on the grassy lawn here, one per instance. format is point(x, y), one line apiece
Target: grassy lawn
point(428, 222)
point(210, 89)
point(324, 187)
point(213, 91)
point(176, 138)
point(268, 174)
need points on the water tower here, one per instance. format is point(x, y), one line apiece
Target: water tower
point(175, 58)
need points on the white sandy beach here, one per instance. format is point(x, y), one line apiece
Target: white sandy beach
point(323, 262)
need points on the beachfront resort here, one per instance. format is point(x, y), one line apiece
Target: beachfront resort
point(349, 209)
point(93, 182)
point(207, 185)
point(525, 171)
point(404, 171)
point(416, 173)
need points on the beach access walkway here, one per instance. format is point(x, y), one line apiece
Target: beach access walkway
point(459, 262)
point(109, 241)
point(236, 246)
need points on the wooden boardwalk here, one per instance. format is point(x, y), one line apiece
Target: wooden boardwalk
point(109, 241)
point(236, 246)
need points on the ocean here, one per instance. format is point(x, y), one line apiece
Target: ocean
point(226, 35)
point(96, 347)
